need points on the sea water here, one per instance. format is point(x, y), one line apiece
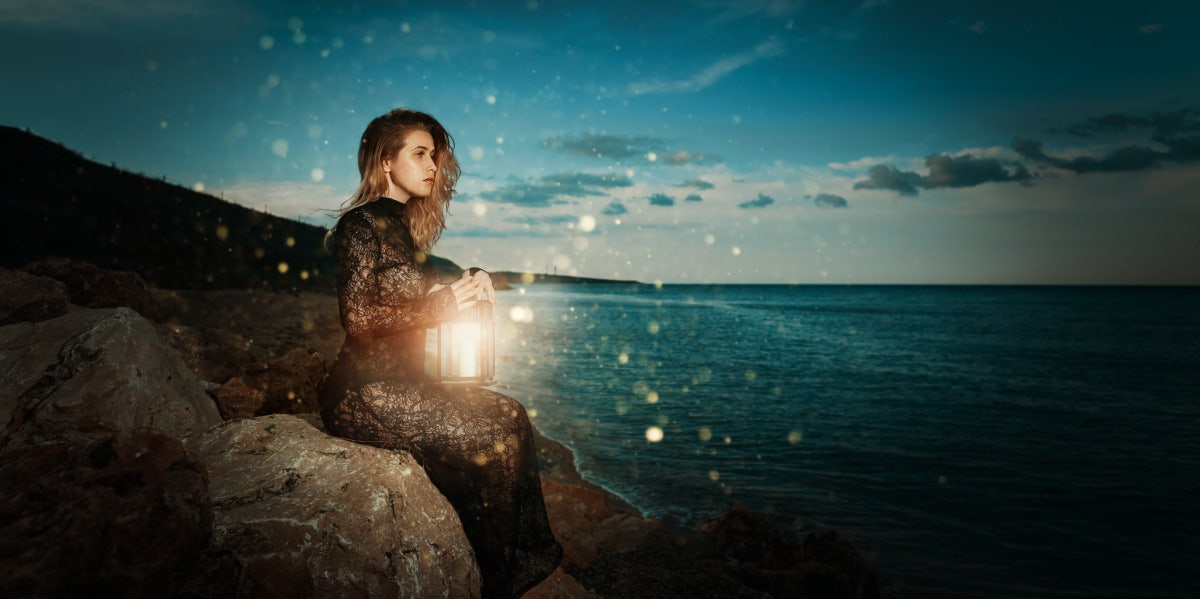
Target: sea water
point(971, 441)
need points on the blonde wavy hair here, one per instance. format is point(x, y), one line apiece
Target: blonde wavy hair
point(384, 138)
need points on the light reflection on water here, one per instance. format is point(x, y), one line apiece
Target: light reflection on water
point(986, 441)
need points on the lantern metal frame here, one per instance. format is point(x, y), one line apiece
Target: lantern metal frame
point(444, 357)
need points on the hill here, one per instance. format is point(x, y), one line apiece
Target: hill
point(55, 202)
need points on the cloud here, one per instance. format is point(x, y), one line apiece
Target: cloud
point(828, 200)
point(967, 171)
point(682, 157)
point(886, 176)
point(616, 147)
point(1150, 29)
point(551, 189)
point(698, 183)
point(557, 219)
point(693, 197)
point(1128, 158)
point(1163, 124)
point(944, 171)
point(713, 72)
point(661, 199)
point(762, 201)
point(622, 147)
point(614, 208)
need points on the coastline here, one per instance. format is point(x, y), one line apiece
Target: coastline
point(257, 358)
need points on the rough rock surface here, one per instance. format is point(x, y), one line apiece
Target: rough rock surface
point(94, 287)
point(117, 517)
point(586, 523)
point(214, 355)
point(306, 514)
point(30, 298)
point(288, 385)
point(93, 373)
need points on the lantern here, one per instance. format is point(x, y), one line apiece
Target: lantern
point(463, 349)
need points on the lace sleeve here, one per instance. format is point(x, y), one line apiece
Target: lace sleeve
point(381, 289)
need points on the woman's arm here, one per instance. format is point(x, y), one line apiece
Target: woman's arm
point(366, 308)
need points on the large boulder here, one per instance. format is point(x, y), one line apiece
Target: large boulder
point(94, 287)
point(303, 513)
point(125, 516)
point(30, 298)
point(93, 373)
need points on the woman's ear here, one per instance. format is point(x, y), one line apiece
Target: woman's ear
point(387, 165)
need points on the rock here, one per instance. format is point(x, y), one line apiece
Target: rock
point(214, 355)
point(824, 564)
point(116, 517)
point(91, 286)
point(93, 373)
point(852, 575)
point(745, 536)
point(573, 512)
point(586, 523)
point(289, 385)
point(652, 574)
point(30, 298)
point(302, 513)
point(559, 585)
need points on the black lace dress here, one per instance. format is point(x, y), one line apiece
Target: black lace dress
point(475, 444)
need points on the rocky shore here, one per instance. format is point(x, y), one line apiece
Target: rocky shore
point(164, 443)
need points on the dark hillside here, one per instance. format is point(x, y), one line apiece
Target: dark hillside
point(54, 202)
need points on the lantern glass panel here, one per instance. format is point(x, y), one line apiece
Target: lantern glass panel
point(463, 349)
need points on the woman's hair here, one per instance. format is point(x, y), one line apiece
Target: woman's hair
point(384, 138)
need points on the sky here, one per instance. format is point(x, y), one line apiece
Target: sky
point(689, 141)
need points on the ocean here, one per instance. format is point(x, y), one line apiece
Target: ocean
point(971, 441)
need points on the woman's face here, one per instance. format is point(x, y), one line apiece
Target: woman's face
point(410, 172)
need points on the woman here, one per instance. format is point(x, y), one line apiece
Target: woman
point(476, 445)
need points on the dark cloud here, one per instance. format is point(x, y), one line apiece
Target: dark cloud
point(828, 200)
point(886, 176)
point(1127, 158)
point(944, 171)
point(761, 201)
point(614, 208)
point(551, 189)
point(698, 183)
point(622, 147)
point(1165, 125)
point(685, 157)
point(967, 171)
point(693, 197)
point(661, 199)
point(616, 147)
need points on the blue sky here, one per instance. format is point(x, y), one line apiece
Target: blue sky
point(684, 142)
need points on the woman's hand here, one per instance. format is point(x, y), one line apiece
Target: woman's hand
point(485, 282)
point(468, 288)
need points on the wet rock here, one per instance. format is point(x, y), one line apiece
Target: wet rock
point(559, 585)
point(302, 513)
point(93, 373)
point(288, 385)
point(824, 564)
point(30, 298)
point(586, 523)
point(745, 536)
point(117, 517)
point(93, 287)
